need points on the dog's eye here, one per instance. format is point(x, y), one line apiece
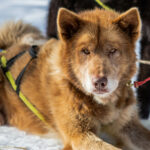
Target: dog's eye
point(85, 51)
point(112, 51)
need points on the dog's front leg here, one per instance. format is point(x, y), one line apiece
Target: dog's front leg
point(80, 136)
point(135, 136)
point(76, 124)
point(88, 141)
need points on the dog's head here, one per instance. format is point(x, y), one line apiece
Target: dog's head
point(99, 48)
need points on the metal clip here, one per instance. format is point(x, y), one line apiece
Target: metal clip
point(129, 84)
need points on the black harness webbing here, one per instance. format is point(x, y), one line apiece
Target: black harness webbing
point(33, 53)
point(11, 61)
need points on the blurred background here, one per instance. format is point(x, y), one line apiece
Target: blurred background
point(31, 11)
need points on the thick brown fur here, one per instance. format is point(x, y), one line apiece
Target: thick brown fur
point(102, 42)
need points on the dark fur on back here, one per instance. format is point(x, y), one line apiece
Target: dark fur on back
point(120, 5)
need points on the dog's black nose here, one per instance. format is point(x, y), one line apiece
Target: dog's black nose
point(100, 83)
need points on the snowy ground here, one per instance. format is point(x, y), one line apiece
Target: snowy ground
point(34, 12)
point(12, 137)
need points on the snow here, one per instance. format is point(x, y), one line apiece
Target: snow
point(12, 137)
point(34, 12)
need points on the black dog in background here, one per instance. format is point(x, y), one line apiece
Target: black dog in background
point(120, 5)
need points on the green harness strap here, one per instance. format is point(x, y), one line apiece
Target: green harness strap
point(103, 5)
point(21, 96)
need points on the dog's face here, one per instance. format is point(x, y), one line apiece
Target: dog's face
point(99, 48)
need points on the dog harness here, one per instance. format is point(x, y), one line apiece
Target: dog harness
point(15, 84)
point(102, 4)
point(136, 84)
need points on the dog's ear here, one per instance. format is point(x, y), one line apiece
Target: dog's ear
point(130, 23)
point(68, 23)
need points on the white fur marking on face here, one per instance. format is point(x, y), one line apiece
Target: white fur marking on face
point(86, 80)
point(112, 84)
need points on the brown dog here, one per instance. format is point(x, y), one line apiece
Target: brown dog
point(143, 95)
point(79, 82)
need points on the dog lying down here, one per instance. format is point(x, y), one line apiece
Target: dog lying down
point(79, 82)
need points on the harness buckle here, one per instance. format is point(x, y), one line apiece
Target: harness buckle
point(129, 84)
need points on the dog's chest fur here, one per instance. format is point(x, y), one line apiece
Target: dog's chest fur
point(89, 110)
